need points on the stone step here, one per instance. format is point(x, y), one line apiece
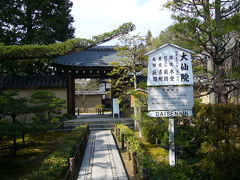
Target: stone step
point(94, 116)
point(107, 125)
point(105, 128)
point(99, 123)
point(100, 129)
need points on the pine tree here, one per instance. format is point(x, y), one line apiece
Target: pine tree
point(35, 22)
point(12, 106)
point(47, 107)
point(212, 27)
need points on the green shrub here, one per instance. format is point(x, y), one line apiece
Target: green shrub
point(153, 129)
point(219, 123)
point(56, 164)
point(207, 144)
point(100, 106)
point(134, 143)
point(222, 163)
point(156, 170)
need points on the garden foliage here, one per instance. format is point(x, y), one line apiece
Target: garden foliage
point(47, 108)
point(17, 52)
point(207, 145)
point(56, 164)
point(157, 171)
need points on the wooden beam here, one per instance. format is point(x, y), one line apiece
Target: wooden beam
point(70, 94)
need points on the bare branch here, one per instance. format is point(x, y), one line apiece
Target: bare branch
point(207, 93)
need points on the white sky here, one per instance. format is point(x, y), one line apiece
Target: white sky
point(94, 17)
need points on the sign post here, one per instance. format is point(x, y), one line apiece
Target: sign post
point(171, 130)
point(170, 87)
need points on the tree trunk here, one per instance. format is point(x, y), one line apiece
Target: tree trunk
point(14, 135)
point(49, 116)
point(135, 80)
point(218, 10)
point(222, 95)
point(222, 98)
point(23, 138)
point(222, 90)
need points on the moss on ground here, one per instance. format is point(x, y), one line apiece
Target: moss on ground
point(157, 153)
point(29, 156)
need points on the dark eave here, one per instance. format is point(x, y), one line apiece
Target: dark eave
point(33, 81)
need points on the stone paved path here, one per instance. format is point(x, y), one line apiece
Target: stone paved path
point(101, 159)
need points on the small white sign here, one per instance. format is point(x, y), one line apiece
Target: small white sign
point(115, 106)
point(170, 98)
point(170, 65)
point(179, 113)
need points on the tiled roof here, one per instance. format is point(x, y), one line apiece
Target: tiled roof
point(97, 56)
point(33, 81)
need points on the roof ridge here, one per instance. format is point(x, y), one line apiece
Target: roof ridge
point(100, 48)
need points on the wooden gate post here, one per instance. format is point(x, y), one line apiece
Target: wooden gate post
point(122, 142)
point(72, 167)
point(70, 94)
point(134, 163)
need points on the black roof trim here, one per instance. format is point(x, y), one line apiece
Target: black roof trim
point(103, 48)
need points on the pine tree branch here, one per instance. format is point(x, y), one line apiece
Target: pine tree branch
point(205, 94)
point(231, 10)
point(233, 89)
point(21, 52)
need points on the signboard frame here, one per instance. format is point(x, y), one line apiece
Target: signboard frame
point(171, 66)
point(170, 98)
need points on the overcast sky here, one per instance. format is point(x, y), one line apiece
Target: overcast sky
point(94, 17)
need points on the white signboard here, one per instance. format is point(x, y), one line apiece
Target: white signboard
point(169, 65)
point(170, 113)
point(170, 98)
point(115, 106)
point(170, 90)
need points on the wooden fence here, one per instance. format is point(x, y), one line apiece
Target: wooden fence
point(75, 162)
point(132, 156)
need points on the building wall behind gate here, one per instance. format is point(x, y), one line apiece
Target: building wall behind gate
point(87, 101)
point(26, 93)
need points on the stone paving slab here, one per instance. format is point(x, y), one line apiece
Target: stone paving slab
point(101, 159)
point(87, 119)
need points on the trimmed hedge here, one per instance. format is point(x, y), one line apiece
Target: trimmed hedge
point(131, 139)
point(156, 171)
point(56, 164)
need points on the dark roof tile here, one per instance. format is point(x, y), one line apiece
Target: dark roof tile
point(96, 56)
point(33, 81)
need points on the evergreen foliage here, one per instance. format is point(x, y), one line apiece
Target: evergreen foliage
point(157, 171)
point(56, 164)
point(212, 28)
point(48, 109)
point(12, 106)
point(23, 52)
point(35, 22)
point(132, 63)
point(154, 130)
point(207, 145)
point(171, 35)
